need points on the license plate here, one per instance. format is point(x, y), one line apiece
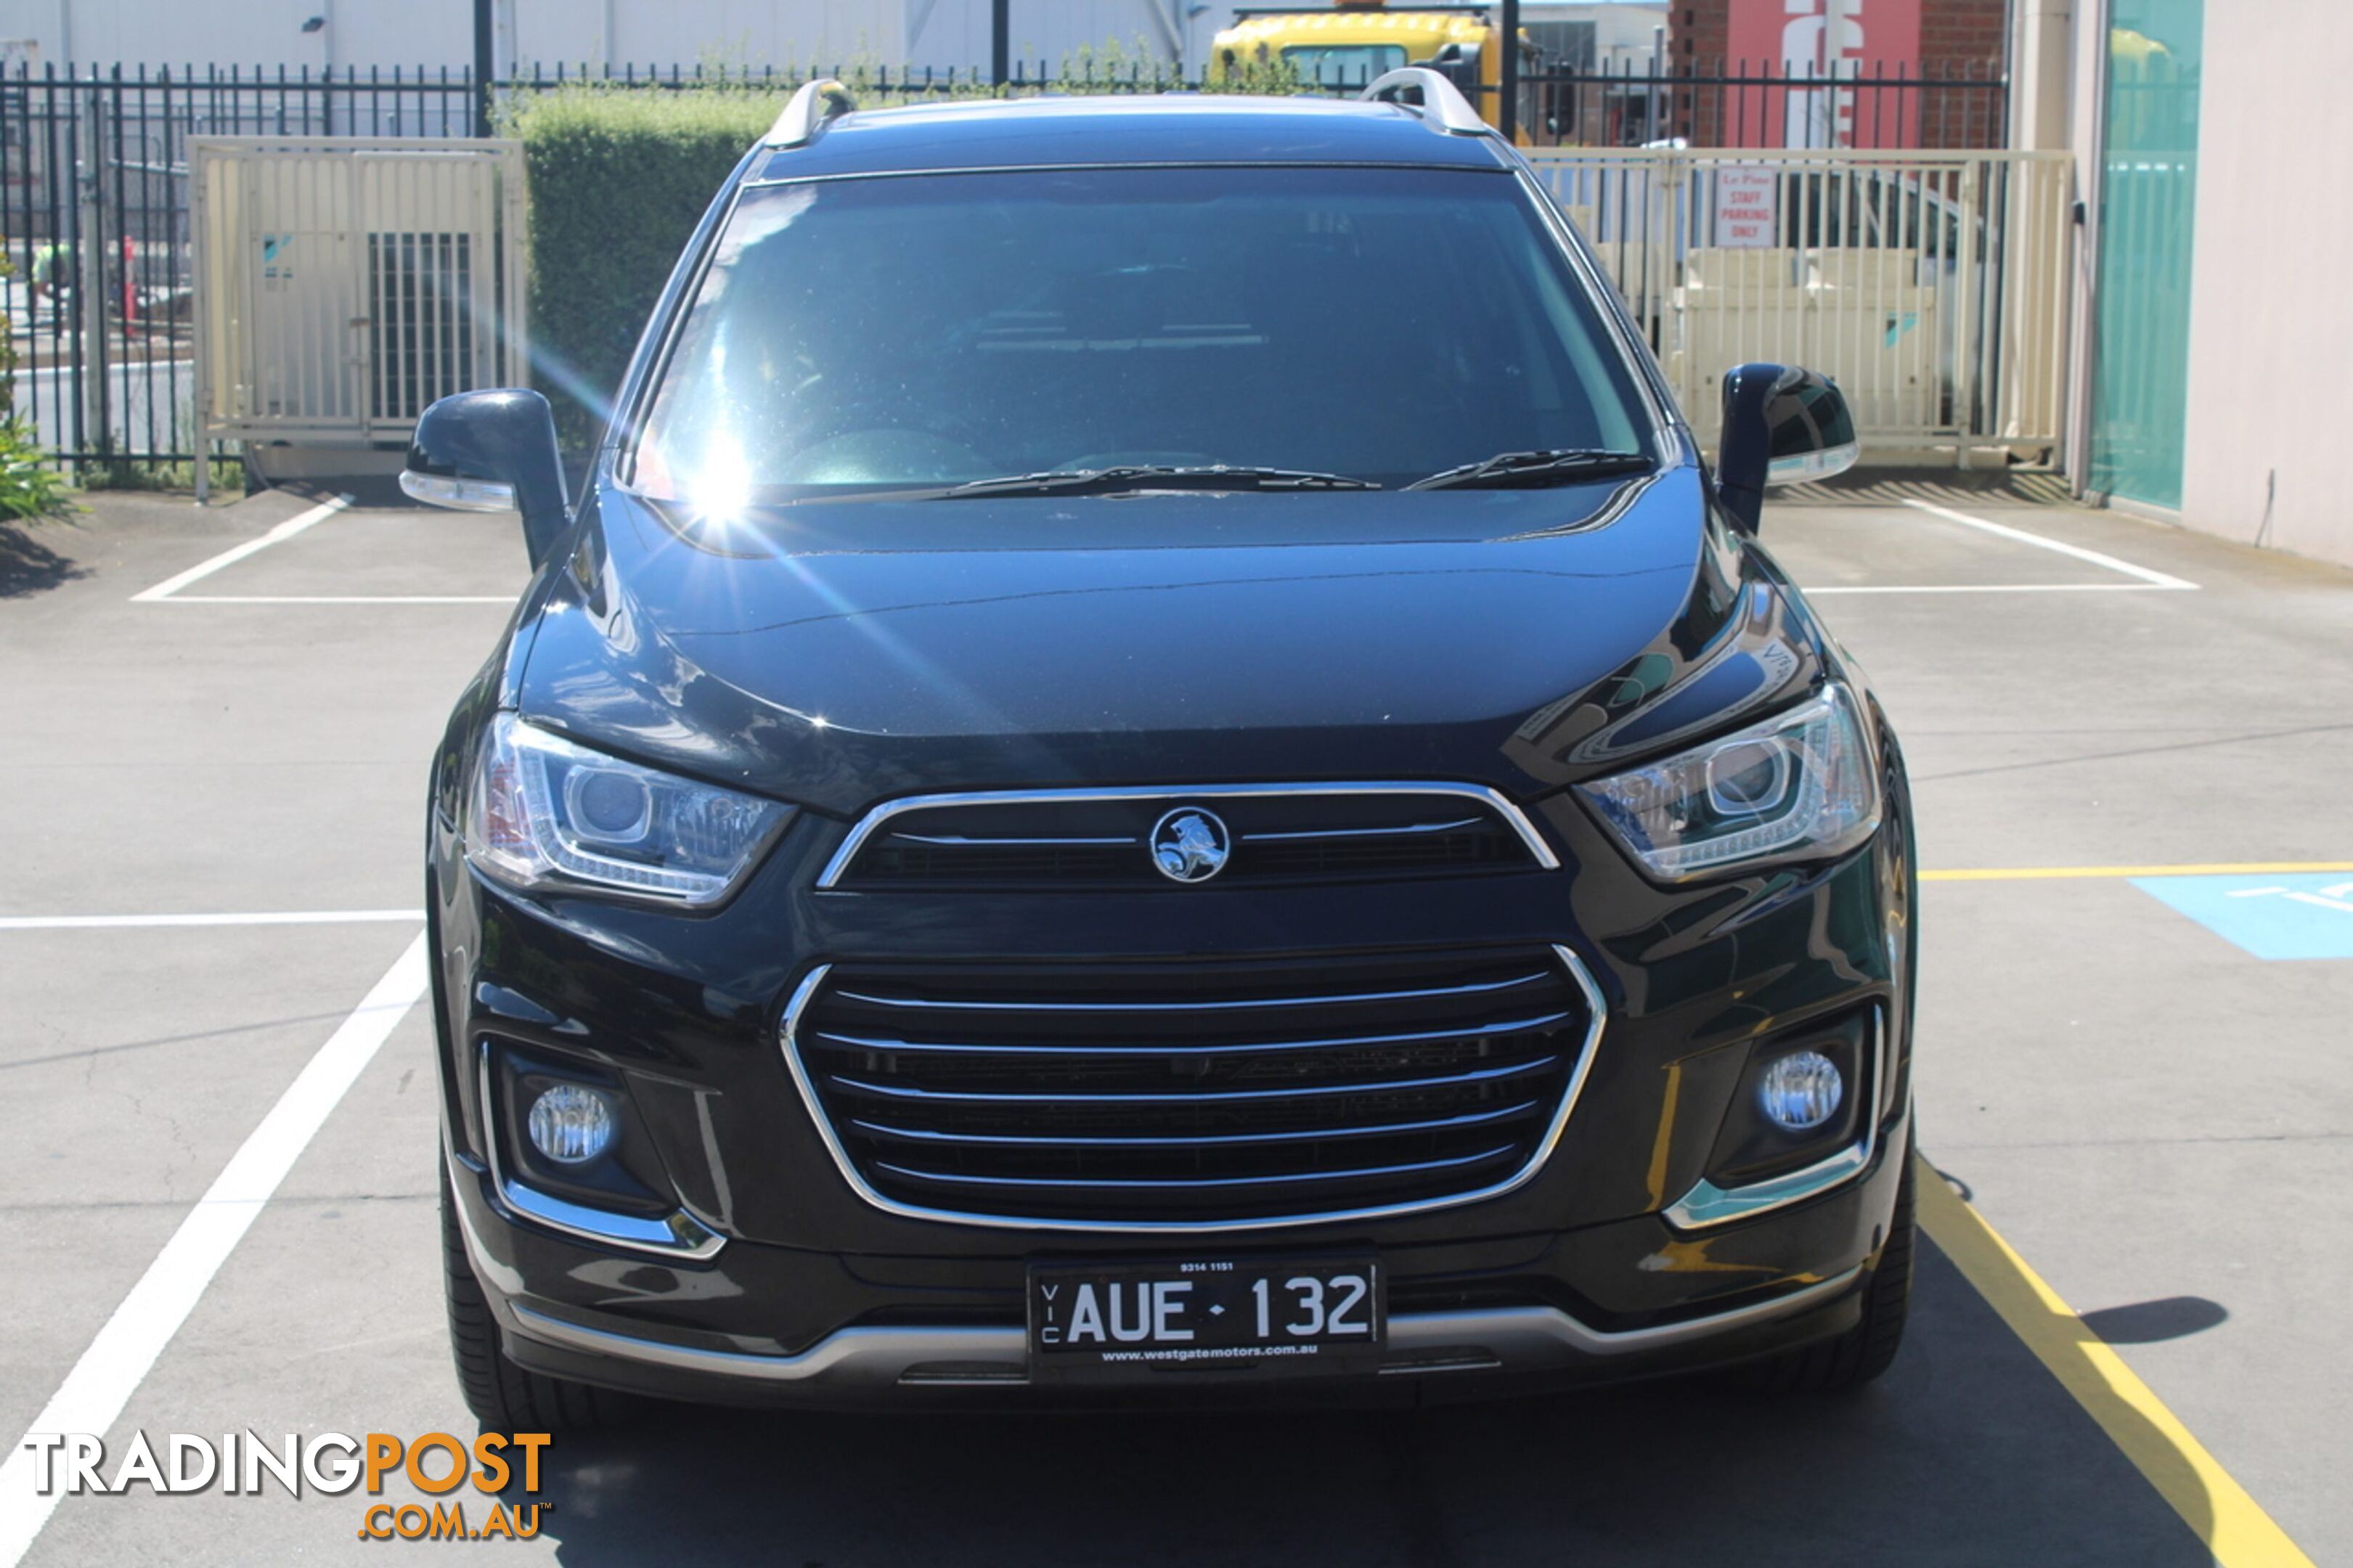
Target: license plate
point(1244, 1316)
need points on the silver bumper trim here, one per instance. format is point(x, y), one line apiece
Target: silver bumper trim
point(875, 1357)
point(677, 1233)
point(1532, 1338)
point(1520, 1339)
point(1707, 1205)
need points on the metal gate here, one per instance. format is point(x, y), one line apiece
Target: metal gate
point(345, 282)
point(94, 219)
point(1931, 286)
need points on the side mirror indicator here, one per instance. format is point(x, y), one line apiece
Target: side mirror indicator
point(1806, 467)
point(459, 495)
point(1782, 426)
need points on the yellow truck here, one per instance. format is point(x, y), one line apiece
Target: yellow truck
point(1340, 46)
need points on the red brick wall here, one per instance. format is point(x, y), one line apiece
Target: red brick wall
point(1700, 31)
point(1963, 32)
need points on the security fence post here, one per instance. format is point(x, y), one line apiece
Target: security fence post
point(89, 274)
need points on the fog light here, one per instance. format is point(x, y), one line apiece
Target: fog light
point(571, 1125)
point(1797, 1092)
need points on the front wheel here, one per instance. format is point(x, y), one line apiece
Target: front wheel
point(1864, 1350)
point(504, 1396)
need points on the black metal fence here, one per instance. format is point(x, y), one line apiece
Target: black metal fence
point(94, 209)
point(1956, 106)
point(94, 180)
point(94, 218)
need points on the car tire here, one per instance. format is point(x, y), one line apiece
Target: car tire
point(1865, 1351)
point(504, 1396)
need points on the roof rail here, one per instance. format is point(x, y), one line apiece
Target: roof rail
point(1439, 100)
point(815, 104)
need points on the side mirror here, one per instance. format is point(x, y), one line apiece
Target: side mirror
point(1458, 63)
point(493, 451)
point(1782, 426)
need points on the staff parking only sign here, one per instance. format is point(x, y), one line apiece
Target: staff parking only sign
point(1747, 205)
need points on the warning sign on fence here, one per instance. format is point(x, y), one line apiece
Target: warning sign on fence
point(1748, 206)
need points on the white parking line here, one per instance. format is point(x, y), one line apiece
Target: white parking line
point(2002, 588)
point(101, 1382)
point(234, 554)
point(340, 599)
point(268, 918)
point(2020, 535)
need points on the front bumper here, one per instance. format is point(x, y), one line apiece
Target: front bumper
point(1437, 1354)
point(1520, 1340)
point(1613, 1260)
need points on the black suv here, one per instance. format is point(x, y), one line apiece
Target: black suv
point(1151, 765)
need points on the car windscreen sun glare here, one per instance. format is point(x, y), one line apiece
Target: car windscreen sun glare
point(719, 490)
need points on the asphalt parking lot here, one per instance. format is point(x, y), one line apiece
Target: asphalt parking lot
point(2127, 745)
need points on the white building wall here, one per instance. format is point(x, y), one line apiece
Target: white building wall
point(245, 33)
point(664, 33)
point(943, 33)
point(2271, 314)
point(436, 32)
point(785, 33)
point(1624, 31)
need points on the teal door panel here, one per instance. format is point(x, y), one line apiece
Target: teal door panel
point(2148, 204)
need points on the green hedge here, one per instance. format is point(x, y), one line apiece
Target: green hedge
point(618, 179)
point(30, 484)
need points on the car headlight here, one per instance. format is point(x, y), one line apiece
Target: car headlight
point(547, 815)
point(1801, 783)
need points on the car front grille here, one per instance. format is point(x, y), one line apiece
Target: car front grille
point(1194, 1094)
point(1071, 842)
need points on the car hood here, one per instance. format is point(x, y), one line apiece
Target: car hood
point(840, 653)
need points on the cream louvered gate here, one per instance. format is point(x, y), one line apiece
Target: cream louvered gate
point(344, 283)
point(1932, 286)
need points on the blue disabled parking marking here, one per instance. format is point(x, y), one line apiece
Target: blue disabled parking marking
point(2307, 916)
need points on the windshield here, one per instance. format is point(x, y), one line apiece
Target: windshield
point(928, 330)
point(1340, 66)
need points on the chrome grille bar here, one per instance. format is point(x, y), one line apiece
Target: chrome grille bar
point(962, 841)
point(1341, 1042)
point(1480, 1119)
point(1195, 1184)
point(1323, 1001)
point(1366, 1088)
point(1406, 831)
point(882, 818)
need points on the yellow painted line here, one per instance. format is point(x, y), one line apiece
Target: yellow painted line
point(2234, 1526)
point(2220, 868)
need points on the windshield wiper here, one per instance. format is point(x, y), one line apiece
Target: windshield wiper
point(1558, 466)
point(1138, 475)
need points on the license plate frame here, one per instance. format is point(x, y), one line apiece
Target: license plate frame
point(1123, 1321)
